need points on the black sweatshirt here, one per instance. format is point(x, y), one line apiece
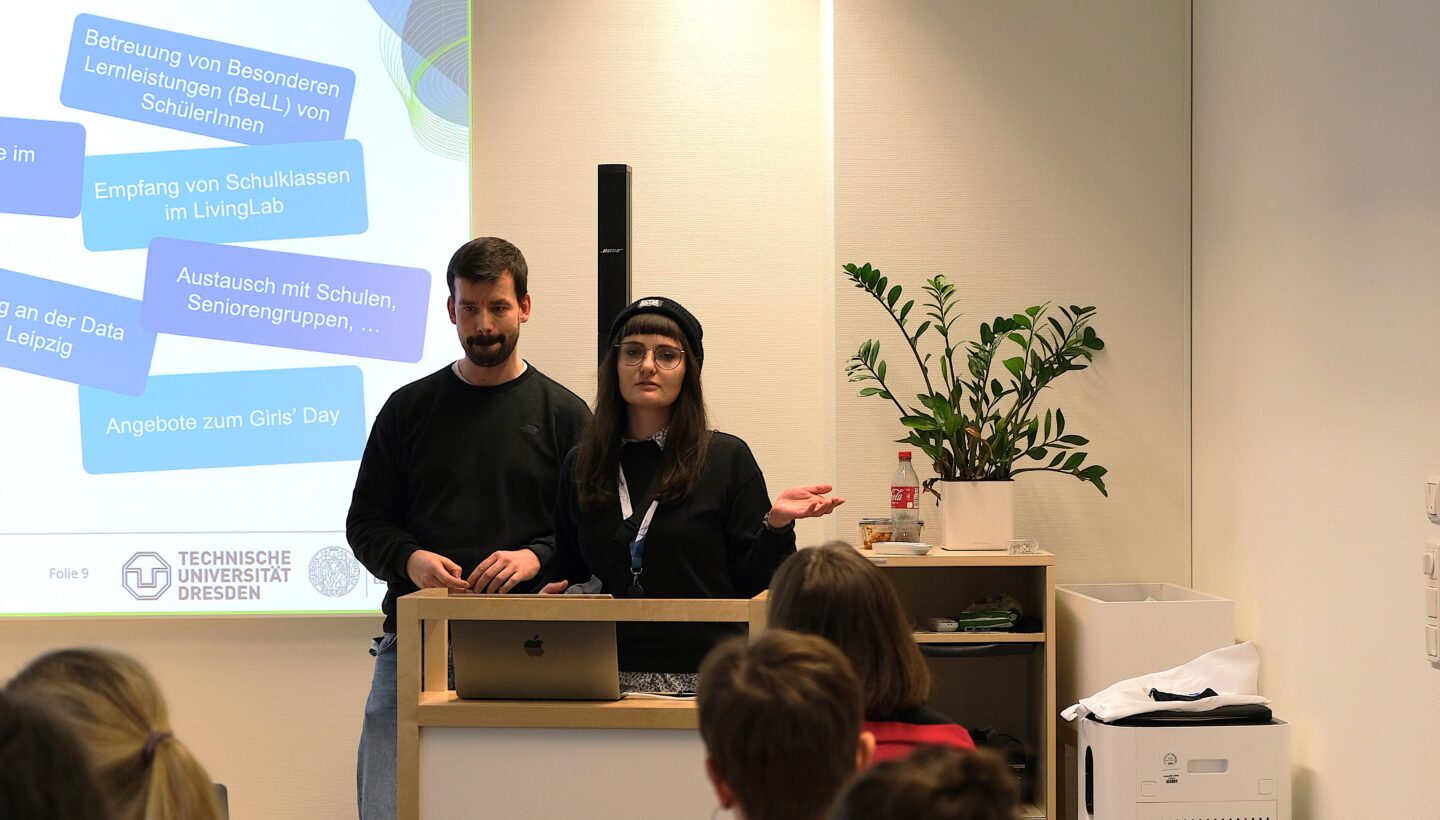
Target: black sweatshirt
point(462, 471)
point(712, 544)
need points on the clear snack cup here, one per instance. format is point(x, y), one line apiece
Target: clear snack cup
point(873, 531)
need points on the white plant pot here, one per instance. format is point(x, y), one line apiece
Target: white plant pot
point(977, 515)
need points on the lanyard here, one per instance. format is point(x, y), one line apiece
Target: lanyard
point(637, 545)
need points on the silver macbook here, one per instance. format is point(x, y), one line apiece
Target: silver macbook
point(535, 660)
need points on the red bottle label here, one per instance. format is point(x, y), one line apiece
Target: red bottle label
point(903, 498)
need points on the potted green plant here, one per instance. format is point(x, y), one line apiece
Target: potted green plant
point(981, 430)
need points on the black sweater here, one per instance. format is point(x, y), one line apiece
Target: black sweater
point(462, 471)
point(712, 544)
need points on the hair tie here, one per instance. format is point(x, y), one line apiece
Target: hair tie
point(150, 743)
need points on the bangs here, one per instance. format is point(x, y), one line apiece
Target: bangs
point(651, 323)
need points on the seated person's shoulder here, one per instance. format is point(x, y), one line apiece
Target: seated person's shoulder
point(920, 715)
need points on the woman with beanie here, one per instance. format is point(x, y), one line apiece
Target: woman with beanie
point(653, 503)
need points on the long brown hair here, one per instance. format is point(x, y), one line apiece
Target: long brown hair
point(116, 709)
point(833, 592)
point(597, 461)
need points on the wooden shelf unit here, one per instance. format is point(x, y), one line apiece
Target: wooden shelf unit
point(1013, 691)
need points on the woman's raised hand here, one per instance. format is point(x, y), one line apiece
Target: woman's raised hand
point(803, 502)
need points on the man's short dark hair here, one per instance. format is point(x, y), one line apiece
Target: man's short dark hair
point(934, 783)
point(486, 259)
point(781, 720)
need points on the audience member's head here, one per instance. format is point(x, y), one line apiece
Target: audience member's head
point(119, 715)
point(43, 769)
point(934, 783)
point(781, 720)
point(834, 592)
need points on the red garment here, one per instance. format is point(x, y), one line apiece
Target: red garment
point(903, 732)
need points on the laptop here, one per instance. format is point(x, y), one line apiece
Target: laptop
point(535, 660)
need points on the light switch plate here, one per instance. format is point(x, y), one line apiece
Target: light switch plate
point(1430, 566)
point(1432, 498)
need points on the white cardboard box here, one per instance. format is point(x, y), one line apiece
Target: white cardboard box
point(1110, 632)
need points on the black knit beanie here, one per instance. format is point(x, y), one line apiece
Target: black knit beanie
point(689, 325)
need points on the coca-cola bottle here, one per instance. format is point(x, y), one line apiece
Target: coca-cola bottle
point(905, 501)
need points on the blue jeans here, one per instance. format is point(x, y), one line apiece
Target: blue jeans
point(375, 767)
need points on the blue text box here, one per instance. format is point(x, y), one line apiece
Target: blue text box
point(41, 163)
point(286, 299)
point(225, 194)
point(73, 334)
point(203, 86)
point(226, 420)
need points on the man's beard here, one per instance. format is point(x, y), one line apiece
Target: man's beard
point(481, 355)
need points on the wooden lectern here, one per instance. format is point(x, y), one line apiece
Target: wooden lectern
point(629, 758)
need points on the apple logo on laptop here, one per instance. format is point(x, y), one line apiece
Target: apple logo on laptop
point(535, 647)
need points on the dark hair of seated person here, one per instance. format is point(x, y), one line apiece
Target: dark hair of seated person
point(44, 771)
point(934, 783)
point(780, 718)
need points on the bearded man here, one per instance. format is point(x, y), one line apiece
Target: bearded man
point(457, 485)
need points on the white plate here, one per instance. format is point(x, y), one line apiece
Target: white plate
point(901, 548)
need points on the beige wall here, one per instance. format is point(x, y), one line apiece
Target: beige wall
point(1317, 195)
point(1029, 152)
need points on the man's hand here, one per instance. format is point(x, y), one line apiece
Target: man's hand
point(803, 502)
point(555, 588)
point(429, 570)
point(503, 570)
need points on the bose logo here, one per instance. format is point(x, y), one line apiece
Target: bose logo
point(612, 250)
point(649, 303)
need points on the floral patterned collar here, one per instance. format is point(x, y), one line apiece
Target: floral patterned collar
point(658, 438)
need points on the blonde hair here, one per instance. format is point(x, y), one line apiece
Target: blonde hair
point(117, 710)
point(43, 768)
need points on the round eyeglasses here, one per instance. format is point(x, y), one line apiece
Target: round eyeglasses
point(666, 356)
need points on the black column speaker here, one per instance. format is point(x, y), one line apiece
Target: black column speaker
point(613, 292)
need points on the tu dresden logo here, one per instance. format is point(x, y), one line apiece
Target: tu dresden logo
point(145, 576)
